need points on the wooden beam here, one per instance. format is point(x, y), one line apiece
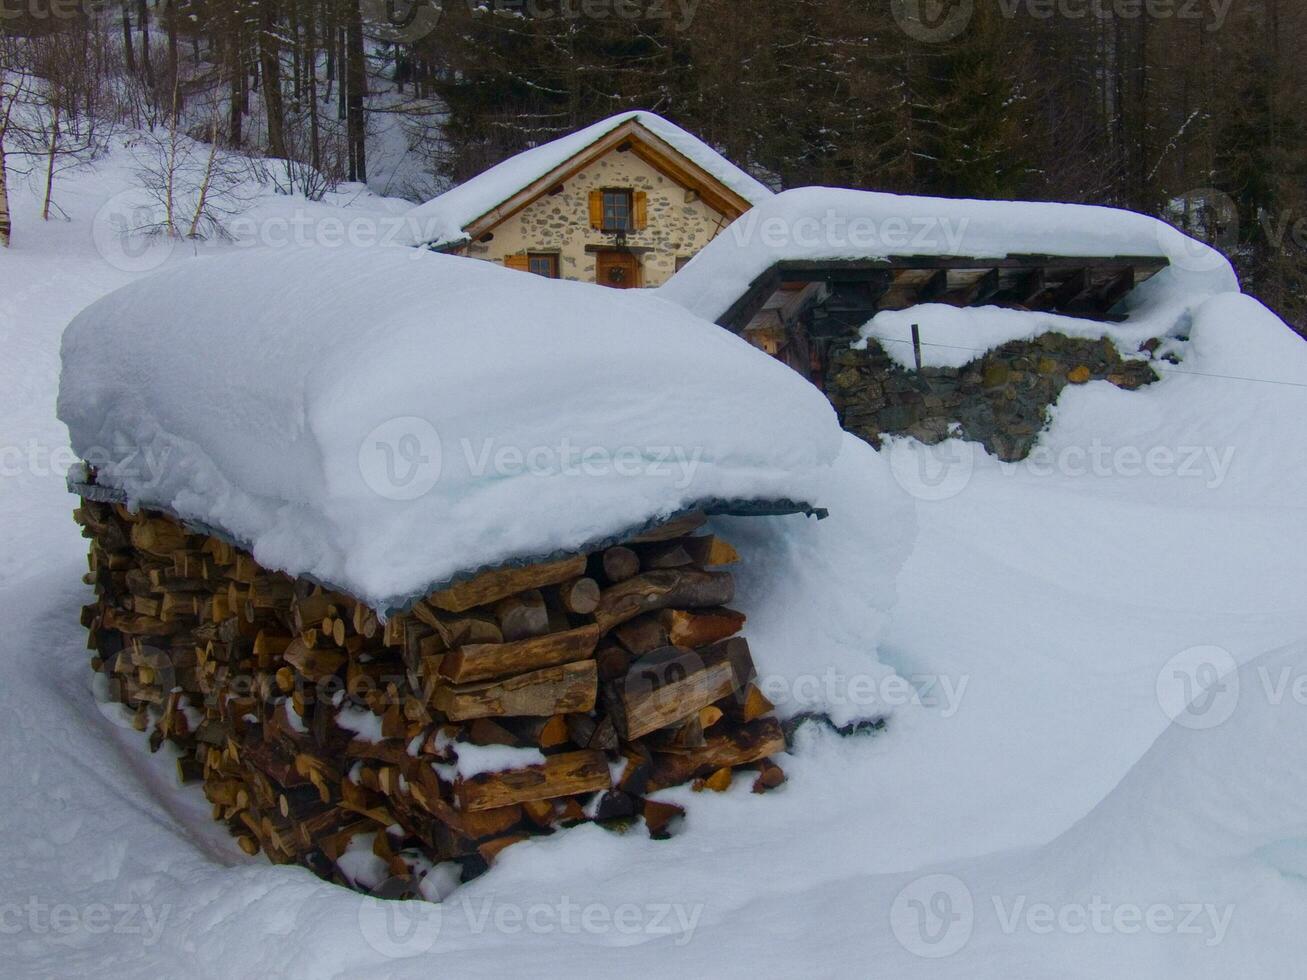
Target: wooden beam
point(569, 774)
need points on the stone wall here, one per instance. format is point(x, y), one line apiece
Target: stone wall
point(679, 223)
point(1000, 400)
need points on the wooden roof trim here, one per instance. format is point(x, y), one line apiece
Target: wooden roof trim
point(646, 145)
point(761, 288)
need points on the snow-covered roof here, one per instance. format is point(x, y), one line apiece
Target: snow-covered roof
point(388, 419)
point(441, 221)
point(828, 224)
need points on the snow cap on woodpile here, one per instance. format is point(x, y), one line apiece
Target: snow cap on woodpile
point(829, 224)
point(386, 420)
point(439, 223)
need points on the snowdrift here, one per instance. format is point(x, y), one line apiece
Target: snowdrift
point(386, 419)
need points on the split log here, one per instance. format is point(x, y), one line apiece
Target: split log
point(684, 588)
point(668, 686)
point(552, 691)
point(492, 586)
point(676, 528)
point(487, 661)
point(569, 774)
point(710, 551)
point(690, 628)
point(747, 744)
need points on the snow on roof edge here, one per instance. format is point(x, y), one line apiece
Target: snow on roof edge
point(828, 224)
point(439, 223)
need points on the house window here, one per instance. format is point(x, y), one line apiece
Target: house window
point(543, 264)
point(682, 261)
point(617, 210)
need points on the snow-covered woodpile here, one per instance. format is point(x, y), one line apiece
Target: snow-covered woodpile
point(512, 704)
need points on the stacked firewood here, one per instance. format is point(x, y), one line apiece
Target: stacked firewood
point(318, 729)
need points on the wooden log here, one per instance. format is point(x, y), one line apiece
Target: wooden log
point(492, 586)
point(522, 616)
point(568, 774)
point(738, 747)
point(692, 628)
point(664, 554)
point(456, 630)
point(676, 528)
point(710, 551)
point(683, 588)
point(619, 564)
point(551, 691)
point(667, 686)
point(642, 635)
point(487, 661)
point(660, 818)
point(158, 536)
point(316, 665)
point(684, 736)
point(613, 661)
point(580, 596)
point(748, 704)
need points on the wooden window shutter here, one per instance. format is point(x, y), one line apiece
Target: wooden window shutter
point(520, 262)
point(640, 217)
point(596, 209)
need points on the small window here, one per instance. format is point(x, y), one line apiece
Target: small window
point(682, 261)
point(543, 264)
point(617, 211)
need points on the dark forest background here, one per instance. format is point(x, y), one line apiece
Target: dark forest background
point(1193, 111)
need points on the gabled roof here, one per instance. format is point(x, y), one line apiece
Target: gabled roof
point(470, 209)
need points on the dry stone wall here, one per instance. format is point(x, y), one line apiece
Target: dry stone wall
point(1001, 400)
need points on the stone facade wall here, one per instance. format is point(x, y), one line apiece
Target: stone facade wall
point(677, 228)
point(1000, 400)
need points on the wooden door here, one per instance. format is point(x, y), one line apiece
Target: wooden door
point(621, 270)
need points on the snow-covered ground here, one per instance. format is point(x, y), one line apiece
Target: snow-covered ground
point(1034, 813)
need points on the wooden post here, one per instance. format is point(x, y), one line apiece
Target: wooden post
point(916, 345)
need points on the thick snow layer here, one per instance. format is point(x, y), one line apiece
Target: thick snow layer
point(825, 223)
point(440, 222)
point(384, 419)
point(1052, 598)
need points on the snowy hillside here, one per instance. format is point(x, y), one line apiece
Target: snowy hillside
point(1031, 630)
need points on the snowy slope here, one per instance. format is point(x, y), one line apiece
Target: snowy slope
point(1039, 607)
point(440, 221)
